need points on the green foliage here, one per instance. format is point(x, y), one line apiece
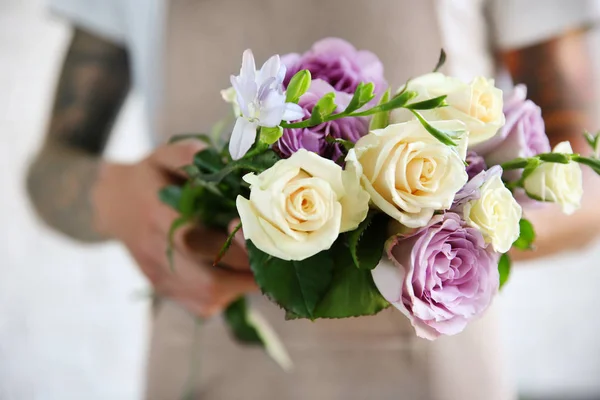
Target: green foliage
point(346, 144)
point(381, 119)
point(236, 316)
point(171, 196)
point(297, 286)
point(398, 101)
point(323, 109)
point(593, 141)
point(362, 95)
point(257, 163)
point(366, 242)
point(270, 135)
point(352, 292)
point(593, 163)
point(442, 136)
point(526, 235)
point(430, 104)
point(504, 266)
point(227, 244)
point(298, 85)
point(441, 61)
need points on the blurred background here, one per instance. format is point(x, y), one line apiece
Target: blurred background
point(74, 318)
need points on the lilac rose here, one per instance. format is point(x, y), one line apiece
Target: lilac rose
point(338, 63)
point(523, 134)
point(441, 277)
point(313, 139)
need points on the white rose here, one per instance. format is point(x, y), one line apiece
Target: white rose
point(298, 207)
point(477, 104)
point(407, 172)
point(557, 183)
point(496, 214)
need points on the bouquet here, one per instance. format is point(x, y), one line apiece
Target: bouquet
point(354, 198)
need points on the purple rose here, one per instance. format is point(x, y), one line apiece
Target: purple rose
point(441, 278)
point(338, 63)
point(475, 164)
point(523, 134)
point(313, 139)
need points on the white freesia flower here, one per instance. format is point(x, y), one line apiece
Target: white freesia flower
point(259, 100)
point(477, 104)
point(407, 172)
point(495, 213)
point(557, 183)
point(298, 207)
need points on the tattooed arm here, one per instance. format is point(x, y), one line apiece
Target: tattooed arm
point(92, 86)
point(89, 199)
point(562, 79)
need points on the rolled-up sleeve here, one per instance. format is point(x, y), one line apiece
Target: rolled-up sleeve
point(102, 17)
point(521, 23)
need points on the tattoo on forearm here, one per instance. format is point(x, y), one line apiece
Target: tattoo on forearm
point(92, 86)
point(560, 78)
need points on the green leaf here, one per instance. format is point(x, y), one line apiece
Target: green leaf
point(352, 292)
point(366, 94)
point(323, 109)
point(381, 119)
point(504, 268)
point(298, 85)
point(430, 104)
point(270, 135)
point(362, 95)
point(257, 163)
point(366, 243)
point(171, 196)
point(175, 225)
point(441, 61)
point(559, 158)
point(526, 235)
point(442, 136)
point(345, 143)
point(208, 161)
point(236, 316)
point(189, 196)
point(297, 286)
point(398, 101)
point(593, 141)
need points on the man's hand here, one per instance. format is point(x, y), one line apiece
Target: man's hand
point(127, 208)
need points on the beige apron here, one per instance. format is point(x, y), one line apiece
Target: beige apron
point(367, 358)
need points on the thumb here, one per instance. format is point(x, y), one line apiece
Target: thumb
point(173, 156)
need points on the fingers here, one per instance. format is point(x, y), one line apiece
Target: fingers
point(203, 289)
point(172, 157)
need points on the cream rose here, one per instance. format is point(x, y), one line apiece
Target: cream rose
point(298, 207)
point(557, 183)
point(495, 213)
point(407, 172)
point(477, 104)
